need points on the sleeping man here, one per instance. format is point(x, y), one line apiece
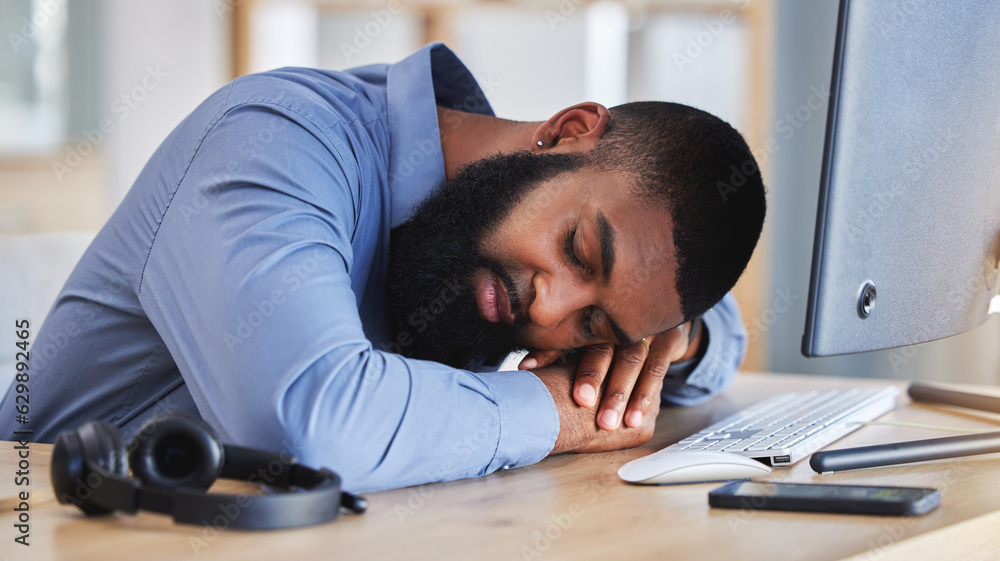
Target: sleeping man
point(333, 265)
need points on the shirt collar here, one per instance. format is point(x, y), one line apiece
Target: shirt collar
point(415, 86)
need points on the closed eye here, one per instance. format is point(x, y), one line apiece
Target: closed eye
point(570, 250)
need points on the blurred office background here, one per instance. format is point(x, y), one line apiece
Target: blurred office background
point(89, 88)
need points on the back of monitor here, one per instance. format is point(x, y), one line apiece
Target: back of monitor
point(908, 227)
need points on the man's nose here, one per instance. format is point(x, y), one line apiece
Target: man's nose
point(556, 299)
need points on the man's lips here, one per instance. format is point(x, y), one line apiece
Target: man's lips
point(503, 304)
point(492, 300)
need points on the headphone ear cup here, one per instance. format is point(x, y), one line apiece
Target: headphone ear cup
point(176, 451)
point(95, 443)
point(112, 455)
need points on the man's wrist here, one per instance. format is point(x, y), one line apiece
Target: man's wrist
point(560, 385)
point(695, 348)
point(679, 370)
point(578, 430)
point(528, 417)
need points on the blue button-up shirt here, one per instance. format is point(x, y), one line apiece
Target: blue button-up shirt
point(242, 279)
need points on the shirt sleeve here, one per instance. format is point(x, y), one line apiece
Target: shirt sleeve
point(691, 384)
point(249, 284)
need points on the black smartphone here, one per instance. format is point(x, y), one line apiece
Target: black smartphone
point(814, 497)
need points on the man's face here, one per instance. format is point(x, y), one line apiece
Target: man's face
point(492, 262)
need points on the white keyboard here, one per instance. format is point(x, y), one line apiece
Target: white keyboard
point(788, 427)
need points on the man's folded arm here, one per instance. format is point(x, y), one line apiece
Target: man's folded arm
point(697, 380)
point(252, 282)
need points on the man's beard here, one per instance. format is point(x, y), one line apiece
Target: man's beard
point(432, 303)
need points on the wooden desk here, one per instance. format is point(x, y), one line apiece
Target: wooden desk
point(575, 507)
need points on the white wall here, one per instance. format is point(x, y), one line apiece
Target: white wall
point(161, 59)
point(694, 59)
point(359, 37)
point(530, 65)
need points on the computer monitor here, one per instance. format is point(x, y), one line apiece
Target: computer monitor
point(908, 227)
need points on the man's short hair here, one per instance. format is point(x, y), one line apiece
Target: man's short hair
point(704, 171)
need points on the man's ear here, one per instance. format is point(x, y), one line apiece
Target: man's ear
point(574, 129)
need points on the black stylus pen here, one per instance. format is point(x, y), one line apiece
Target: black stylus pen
point(905, 452)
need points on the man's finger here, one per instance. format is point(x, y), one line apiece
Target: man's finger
point(647, 387)
point(664, 350)
point(590, 375)
point(538, 359)
point(628, 365)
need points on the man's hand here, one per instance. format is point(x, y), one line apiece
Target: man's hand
point(578, 431)
point(635, 381)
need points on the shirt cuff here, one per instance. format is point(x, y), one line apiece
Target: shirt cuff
point(726, 345)
point(529, 421)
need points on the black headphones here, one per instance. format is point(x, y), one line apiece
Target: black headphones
point(174, 460)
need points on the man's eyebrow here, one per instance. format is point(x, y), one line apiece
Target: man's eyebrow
point(623, 339)
point(606, 238)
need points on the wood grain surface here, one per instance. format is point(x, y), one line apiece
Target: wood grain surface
point(574, 507)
